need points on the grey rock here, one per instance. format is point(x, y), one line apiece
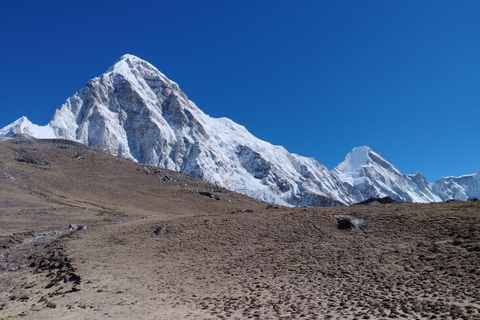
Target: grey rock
point(159, 230)
point(75, 227)
point(348, 222)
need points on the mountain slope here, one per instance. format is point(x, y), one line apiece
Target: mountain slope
point(135, 112)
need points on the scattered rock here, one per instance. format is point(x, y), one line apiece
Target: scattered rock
point(452, 201)
point(22, 156)
point(48, 303)
point(384, 200)
point(242, 211)
point(75, 227)
point(78, 156)
point(208, 195)
point(159, 230)
point(271, 206)
point(19, 249)
point(153, 171)
point(58, 266)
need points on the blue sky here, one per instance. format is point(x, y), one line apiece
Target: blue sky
point(317, 77)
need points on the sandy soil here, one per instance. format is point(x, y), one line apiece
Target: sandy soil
point(160, 245)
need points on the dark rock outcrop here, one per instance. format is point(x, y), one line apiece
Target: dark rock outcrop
point(384, 200)
point(348, 222)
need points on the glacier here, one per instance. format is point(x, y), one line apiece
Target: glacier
point(135, 112)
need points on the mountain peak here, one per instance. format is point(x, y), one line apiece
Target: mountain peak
point(129, 63)
point(15, 127)
point(20, 121)
point(23, 126)
point(349, 170)
point(363, 156)
point(419, 175)
point(354, 160)
point(129, 56)
point(134, 69)
point(359, 155)
point(419, 179)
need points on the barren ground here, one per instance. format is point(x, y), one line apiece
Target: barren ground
point(161, 245)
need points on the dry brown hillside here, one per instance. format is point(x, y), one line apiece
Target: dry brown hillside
point(162, 245)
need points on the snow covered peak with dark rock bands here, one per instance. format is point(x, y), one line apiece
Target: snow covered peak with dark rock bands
point(135, 112)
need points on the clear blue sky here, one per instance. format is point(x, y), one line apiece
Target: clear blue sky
point(318, 77)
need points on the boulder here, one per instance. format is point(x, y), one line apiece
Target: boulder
point(348, 222)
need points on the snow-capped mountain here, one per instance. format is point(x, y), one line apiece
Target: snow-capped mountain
point(135, 112)
point(24, 126)
point(461, 188)
point(371, 175)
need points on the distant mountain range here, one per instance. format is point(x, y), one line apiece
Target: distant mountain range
point(135, 112)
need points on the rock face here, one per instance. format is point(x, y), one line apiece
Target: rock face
point(135, 112)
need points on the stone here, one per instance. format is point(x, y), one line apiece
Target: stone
point(159, 230)
point(348, 222)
